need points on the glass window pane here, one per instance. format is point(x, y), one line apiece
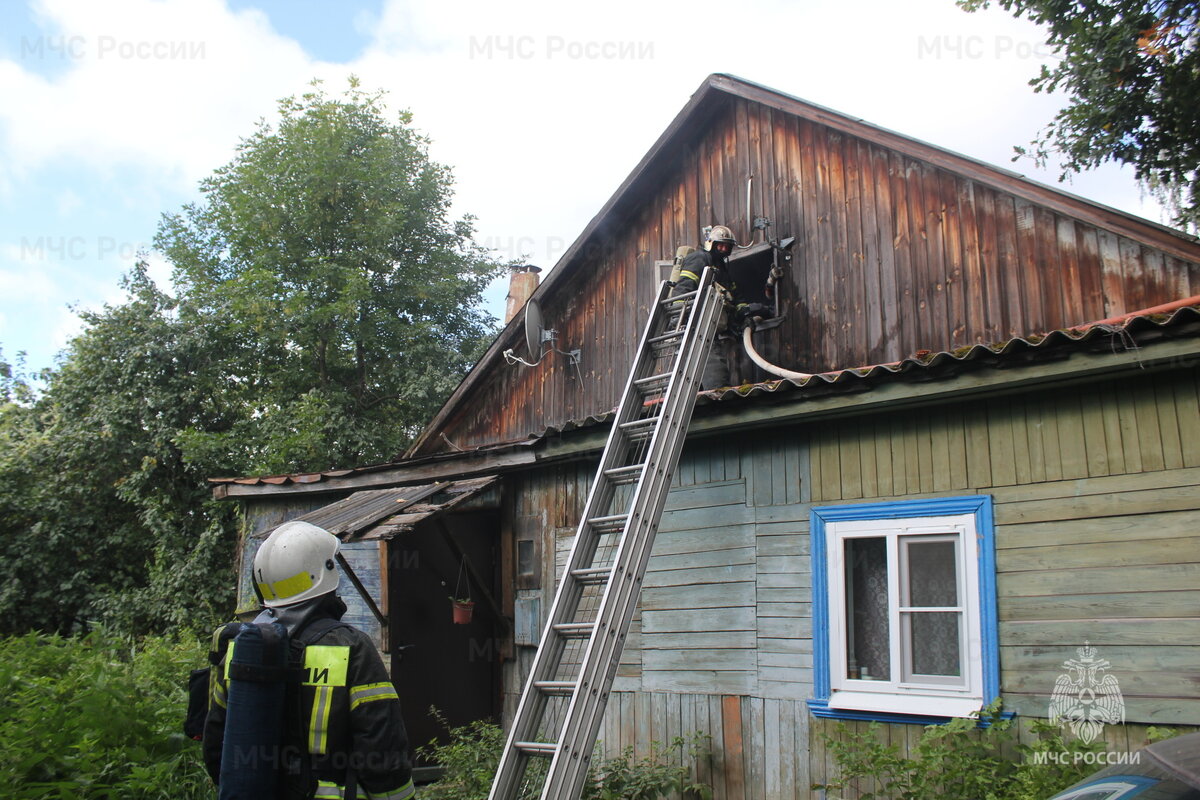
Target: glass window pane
point(932, 573)
point(867, 630)
point(524, 557)
point(934, 643)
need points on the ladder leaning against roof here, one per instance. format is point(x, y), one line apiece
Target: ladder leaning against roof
point(562, 706)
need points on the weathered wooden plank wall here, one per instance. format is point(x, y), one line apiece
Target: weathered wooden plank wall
point(755, 743)
point(1096, 508)
point(770, 749)
point(893, 255)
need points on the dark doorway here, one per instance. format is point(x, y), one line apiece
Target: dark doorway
point(436, 663)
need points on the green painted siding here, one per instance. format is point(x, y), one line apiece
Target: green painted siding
point(1150, 424)
point(1098, 539)
point(1098, 524)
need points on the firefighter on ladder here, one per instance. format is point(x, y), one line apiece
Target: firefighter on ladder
point(718, 246)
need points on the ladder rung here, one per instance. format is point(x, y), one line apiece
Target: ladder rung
point(620, 475)
point(556, 688)
point(669, 336)
point(651, 381)
point(679, 298)
point(591, 575)
point(609, 524)
point(575, 630)
point(544, 749)
point(639, 428)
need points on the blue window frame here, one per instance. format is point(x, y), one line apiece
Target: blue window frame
point(904, 610)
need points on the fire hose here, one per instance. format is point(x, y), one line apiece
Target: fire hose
point(748, 344)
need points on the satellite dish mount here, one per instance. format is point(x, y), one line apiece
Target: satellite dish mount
point(537, 336)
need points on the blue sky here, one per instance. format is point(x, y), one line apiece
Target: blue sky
point(113, 112)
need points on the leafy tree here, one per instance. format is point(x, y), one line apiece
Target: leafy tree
point(326, 252)
point(324, 304)
point(16, 387)
point(102, 518)
point(1131, 69)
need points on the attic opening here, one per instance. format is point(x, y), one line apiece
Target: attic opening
point(750, 269)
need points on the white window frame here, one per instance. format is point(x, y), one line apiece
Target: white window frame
point(898, 692)
point(897, 697)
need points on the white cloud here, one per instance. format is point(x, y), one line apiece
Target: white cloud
point(542, 110)
point(64, 326)
point(32, 285)
point(159, 270)
point(39, 322)
point(165, 86)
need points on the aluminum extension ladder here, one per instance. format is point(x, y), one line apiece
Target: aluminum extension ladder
point(562, 706)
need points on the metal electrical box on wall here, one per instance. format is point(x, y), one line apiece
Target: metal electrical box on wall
point(528, 618)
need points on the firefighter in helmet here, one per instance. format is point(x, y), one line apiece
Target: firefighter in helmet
point(344, 737)
point(718, 246)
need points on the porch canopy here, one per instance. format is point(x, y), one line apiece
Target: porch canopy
point(385, 513)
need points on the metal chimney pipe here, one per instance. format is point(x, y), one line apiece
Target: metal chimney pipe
point(521, 285)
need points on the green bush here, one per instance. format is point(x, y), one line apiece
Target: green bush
point(653, 776)
point(960, 760)
point(97, 717)
point(471, 754)
point(469, 758)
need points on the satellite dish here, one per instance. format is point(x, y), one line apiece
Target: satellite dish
point(537, 335)
point(534, 330)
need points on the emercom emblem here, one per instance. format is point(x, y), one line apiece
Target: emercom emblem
point(1085, 698)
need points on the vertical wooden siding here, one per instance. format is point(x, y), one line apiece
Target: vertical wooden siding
point(756, 743)
point(893, 255)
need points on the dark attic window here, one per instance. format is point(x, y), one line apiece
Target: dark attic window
point(750, 269)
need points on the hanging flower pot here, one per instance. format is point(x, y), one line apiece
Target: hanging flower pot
point(462, 611)
point(460, 602)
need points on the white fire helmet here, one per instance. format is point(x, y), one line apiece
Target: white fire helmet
point(295, 564)
point(720, 233)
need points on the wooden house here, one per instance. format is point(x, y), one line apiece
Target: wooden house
point(993, 473)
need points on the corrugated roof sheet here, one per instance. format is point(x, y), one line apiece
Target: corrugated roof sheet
point(1118, 334)
point(1124, 333)
point(385, 513)
point(316, 477)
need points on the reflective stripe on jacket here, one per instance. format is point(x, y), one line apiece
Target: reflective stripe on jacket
point(328, 790)
point(347, 715)
point(689, 279)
